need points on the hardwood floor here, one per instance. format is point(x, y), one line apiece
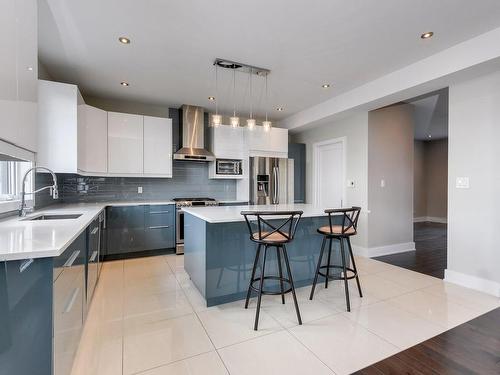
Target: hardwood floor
point(470, 348)
point(430, 254)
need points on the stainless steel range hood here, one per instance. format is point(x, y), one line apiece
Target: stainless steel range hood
point(192, 133)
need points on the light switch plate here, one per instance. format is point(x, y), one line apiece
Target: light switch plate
point(462, 182)
point(139, 189)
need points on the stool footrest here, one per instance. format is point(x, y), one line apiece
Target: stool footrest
point(269, 292)
point(333, 277)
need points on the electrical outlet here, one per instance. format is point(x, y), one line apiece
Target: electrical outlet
point(139, 189)
point(462, 182)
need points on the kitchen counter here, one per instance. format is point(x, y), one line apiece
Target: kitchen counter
point(227, 214)
point(24, 239)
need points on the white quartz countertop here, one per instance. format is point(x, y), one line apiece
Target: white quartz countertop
point(226, 214)
point(24, 239)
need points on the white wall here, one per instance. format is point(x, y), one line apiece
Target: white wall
point(474, 213)
point(355, 129)
point(390, 159)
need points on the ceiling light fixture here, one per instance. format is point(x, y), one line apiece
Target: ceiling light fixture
point(280, 109)
point(124, 40)
point(125, 84)
point(429, 136)
point(325, 85)
point(216, 118)
point(234, 120)
point(211, 98)
point(427, 35)
point(267, 124)
point(251, 121)
point(30, 68)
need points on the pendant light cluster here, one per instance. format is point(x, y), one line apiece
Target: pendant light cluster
point(234, 120)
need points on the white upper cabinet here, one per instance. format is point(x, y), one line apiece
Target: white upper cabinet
point(72, 136)
point(18, 73)
point(125, 143)
point(157, 146)
point(227, 142)
point(273, 143)
point(92, 139)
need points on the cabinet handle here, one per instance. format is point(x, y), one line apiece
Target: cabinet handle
point(94, 231)
point(71, 300)
point(72, 258)
point(159, 212)
point(24, 265)
point(94, 255)
point(160, 227)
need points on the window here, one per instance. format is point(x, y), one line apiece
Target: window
point(11, 175)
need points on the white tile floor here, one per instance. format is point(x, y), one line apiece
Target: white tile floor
point(148, 318)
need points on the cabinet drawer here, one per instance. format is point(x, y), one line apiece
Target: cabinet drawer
point(159, 238)
point(77, 249)
point(159, 216)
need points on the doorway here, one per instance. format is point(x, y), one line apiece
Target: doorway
point(329, 173)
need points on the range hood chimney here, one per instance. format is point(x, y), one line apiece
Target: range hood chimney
point(192, 133)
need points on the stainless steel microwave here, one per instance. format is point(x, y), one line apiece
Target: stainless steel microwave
point(232, 167)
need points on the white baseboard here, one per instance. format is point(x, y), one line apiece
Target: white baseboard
point(370, 252)
point(472, 282)
point(432, 219)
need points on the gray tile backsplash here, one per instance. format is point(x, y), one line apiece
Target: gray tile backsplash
point(190, 179)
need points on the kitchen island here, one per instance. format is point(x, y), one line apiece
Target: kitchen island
point(219, 255)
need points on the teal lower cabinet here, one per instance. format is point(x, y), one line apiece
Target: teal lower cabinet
point(133, 229)
point(42, 312)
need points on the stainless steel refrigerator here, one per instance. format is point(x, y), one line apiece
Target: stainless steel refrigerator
point(271, 180)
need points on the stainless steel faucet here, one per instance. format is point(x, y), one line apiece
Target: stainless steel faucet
point(52, 190)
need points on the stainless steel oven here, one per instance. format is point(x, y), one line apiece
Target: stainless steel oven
point(180, 203)
point(232, 167)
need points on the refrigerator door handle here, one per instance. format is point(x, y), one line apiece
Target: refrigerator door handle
point(276, 185)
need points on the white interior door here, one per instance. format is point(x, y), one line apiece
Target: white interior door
point(329, 160)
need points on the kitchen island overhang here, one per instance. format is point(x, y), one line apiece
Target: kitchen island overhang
point(219, 255)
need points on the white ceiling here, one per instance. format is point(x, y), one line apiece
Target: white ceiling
point(431, 116)
point(304, 43)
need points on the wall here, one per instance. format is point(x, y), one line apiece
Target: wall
point(473, 220)
point(430, 198)
point(355, 129)
point(190, 179)
point(390, 158)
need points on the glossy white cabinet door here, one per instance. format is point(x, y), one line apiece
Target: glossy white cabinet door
point(278, 141)
point(125, 143)
point(158, 146)
point(18, 72)
point(228, 143)
point(273, 143)
point(92, 139)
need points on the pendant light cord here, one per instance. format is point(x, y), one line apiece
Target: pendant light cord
point(251, 102)
point(267, 98)
point(216, 90)
point(234, 92)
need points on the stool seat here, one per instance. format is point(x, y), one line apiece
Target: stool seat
point(336, 230)
point(275, 237)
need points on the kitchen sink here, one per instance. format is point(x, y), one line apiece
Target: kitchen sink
point(54, 217)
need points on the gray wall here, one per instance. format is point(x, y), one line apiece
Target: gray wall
point(474, 220)
point(355, 129)
point(390, 158)
point(190, 179)
point(430, 198)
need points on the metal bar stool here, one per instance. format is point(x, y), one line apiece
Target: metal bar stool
point(342, 233)
point(276, 234)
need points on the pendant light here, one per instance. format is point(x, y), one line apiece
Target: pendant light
point(251, 120)
point(216, 118)
point(266, 124)
point(234, 120)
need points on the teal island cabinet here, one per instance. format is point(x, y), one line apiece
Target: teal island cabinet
point(218, 253)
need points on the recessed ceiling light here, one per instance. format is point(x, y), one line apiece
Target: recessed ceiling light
point(212, 98)
point(30, 68)
point(280, 109)
point(429, 136)
point(325, 85)
point(124, 84)
point(124, 40)
point(427, 35)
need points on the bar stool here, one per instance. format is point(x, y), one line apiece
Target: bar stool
point(342, 233)
point(276, 234)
